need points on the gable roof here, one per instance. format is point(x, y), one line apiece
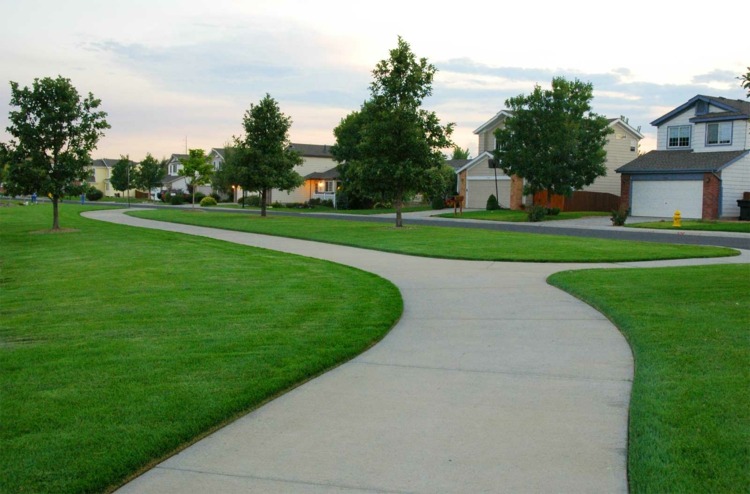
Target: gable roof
point(457, 164)
point(312, 150)
point(219, 152)
point(106, 162)
point(330, 174)
point(475, 161)
point(734, 109)
point(681, 162)
point(494, 120)
point(626, 126)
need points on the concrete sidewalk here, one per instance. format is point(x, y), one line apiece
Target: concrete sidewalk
point(492, 381)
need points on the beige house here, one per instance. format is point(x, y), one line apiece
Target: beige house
point(318, 169)
point(101, 173)
point(477, 179)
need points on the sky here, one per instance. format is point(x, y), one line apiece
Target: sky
point(181, 74)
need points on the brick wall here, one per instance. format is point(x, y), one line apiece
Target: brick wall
point(624, 191)
point(711, 196)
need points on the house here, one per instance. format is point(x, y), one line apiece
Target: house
point(101, 173)
point(318, 169)
point(701, 165)
point(477, 179)
point(173, 181)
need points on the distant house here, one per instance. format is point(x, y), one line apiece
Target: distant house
point(318, 169)
point(173, 181)
point(701, 165)
point(101, 173)
point(477, 180)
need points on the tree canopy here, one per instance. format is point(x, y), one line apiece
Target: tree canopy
point(123, 175)
point(262, 159)
point(54, 131)
point(460, 154)
point(552, 139)
point(745, 81)
point(196, 169)
point(387, 148)
point(149, 174)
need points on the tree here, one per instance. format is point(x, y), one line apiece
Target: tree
point(552, 139)
point(391, 143)
point(123, 175)
point(263, 159)
point(197, 170)
point(150, 174)
point(460, 153)
point(745, 81)
point(54, 132)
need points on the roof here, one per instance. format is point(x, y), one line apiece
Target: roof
point(491, 122)
point(109, 163)
point(474, 161)
point(457, 164)
point(219, 151)
point(626, 126)
point(330, 174)
point(734, 109)
point(312, 150)
point(168, 179)
point(681, 162)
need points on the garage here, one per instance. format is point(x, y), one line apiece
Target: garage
point(661, 198)
point(480, 189)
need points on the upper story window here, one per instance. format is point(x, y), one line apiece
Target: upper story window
point(678, 137)
point(719, 133)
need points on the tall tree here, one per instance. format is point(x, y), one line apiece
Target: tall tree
point(745, 81)
point(149, 174)
point(460, 153)
point(54, 132)
point(396, 142)
point(197, 170)
point(123, 175)
point(552, 139)
point(263, 159)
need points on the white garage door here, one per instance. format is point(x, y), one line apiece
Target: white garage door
point(480, 190)
point(662, 198)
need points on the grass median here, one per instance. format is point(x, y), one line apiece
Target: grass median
point(697, 225)
point(442, 242)
point(121, 345)
point(690, 407)
point(520, 216)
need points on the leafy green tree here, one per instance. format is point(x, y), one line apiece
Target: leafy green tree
point(197, 170)
point(149, 174)
point(123, 175)
point(745, 81)
point(441, 183)
point(391, 143)
point(263, 160)
point(552, 139)
point(4, 161)
point(54, 132)
point(460, 153)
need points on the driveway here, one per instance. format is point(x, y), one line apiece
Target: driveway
point(492, 381)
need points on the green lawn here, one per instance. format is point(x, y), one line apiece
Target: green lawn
point(120, 345)
point(452, 243)
point(519, 216)
point(689, 329)
point(707, 225)
point(326, 209)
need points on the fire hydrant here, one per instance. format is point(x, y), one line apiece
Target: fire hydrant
point(677, 219)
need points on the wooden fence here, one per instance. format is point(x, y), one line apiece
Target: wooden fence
point(581, 201)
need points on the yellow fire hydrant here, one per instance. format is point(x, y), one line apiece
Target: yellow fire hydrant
point(677, 219)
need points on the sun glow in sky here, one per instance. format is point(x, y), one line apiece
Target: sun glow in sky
point(172, 71)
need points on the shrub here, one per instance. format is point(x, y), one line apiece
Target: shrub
point(275, 204)
point(198, 197)
point(552, 211)
point(536, 213)
point(328, 203)
point(94, 194)
point(249, 201)
point(216, 197)
point(316, 201)
point(437, 202)
point(492, 203)
point(176, 200)
point(619, 216)
point(208, 201)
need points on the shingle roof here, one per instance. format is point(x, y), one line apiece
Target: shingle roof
point(456, 164)
point(733, 109)
point(681, 162)
point(331, 174)
point(313, 150)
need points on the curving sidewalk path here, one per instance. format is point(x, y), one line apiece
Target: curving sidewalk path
point(492, 381)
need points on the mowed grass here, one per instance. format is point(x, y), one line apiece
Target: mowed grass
point(120, 345)
point(689, 329)
point(441, 242)
point(519, 216)
point(706, 225)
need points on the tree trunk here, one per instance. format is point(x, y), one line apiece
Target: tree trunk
point(263, 195)
point(55, 213)
point(399, 203)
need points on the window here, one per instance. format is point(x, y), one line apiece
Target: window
point(719, 133)
point(327, 187)
point(678, 137)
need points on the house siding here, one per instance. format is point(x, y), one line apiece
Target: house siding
point(735, 180)
point(618, 154)
point(311, 164)
point(740, 129)
point(681, 119)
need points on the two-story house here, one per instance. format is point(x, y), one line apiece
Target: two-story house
point(701, 165)
point(477, 179)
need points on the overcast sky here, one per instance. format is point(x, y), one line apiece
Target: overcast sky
point(171, 71)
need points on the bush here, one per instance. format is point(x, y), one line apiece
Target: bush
point(552, 211)
point(437, 202)
point(249, 201)
point(536, 213)
point(94, 194)
point(176, 200)
point(619, 216)
point(208, 201)
point(198, 197)
point(275, 204)
point(216, 197)
point(492, 203)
